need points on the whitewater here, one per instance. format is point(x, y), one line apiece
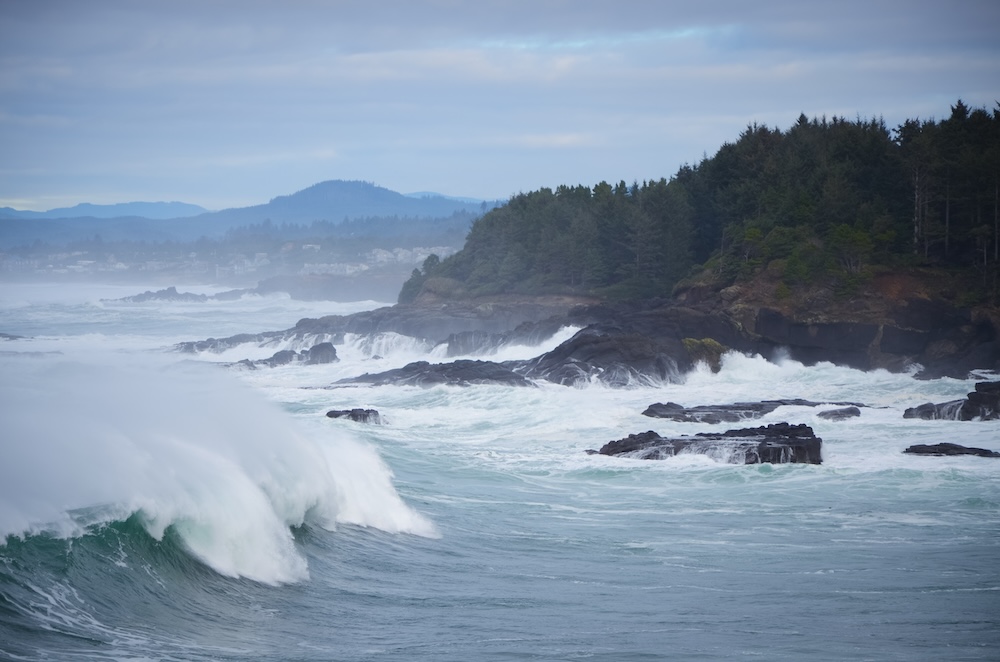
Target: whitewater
point(163, 506)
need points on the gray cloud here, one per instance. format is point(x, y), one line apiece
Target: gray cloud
point(231, 103)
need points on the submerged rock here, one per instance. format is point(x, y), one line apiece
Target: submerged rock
point(359, 415)
point(739, 411)
point(949, 449)
point(840, 414)
point(778, 443)
point(982, 404)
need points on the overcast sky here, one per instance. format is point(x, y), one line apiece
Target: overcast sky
point(230, 103)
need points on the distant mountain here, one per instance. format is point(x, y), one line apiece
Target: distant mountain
point(154, 210)
point(339, 200)
point(332, 201)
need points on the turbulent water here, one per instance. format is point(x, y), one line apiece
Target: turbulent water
point(155, 506)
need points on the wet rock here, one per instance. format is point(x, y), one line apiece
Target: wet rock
point(949, 449)
point(456, 373)
point(610, 356)
point(982, 404)
point(778, 443)
point(370, 416)
point(731, 413)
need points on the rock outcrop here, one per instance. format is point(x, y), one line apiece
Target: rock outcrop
point(898, 320)
point(897, 323)
point(982, 404)
point(779, 443)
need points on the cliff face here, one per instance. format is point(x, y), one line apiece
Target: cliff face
point(894, 321)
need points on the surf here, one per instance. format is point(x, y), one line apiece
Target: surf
point(186, 450)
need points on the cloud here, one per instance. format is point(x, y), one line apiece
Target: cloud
point(418, 95)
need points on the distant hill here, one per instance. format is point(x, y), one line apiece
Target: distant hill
point(332, 201)
point(153, 210)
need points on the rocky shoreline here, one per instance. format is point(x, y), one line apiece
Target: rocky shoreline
point(654, 342)
point(661, 340)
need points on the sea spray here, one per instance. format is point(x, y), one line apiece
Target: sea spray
point(186, 447)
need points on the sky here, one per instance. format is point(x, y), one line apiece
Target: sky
point(230, 103)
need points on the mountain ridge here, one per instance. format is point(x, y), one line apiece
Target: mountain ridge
point(333, 201)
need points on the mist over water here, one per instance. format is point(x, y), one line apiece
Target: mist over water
point(159, 506)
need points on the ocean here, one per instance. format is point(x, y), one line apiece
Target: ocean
point(159, 506)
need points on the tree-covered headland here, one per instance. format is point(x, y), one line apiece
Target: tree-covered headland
point(828, 201)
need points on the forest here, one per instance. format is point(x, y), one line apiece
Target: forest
point(829, 199)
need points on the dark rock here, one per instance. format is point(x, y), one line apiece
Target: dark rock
point(843, 343)
point(776, 444)
point(730, 413)
point(359, 415)
point(930, 411)
point(321, 353)
point(457, 373)
point(982, 404)
point(840, 414)
point(949, 449)
point(283, 357)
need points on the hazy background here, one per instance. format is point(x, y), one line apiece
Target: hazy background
point(230, 103)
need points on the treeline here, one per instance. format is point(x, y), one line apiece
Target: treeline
point(829, 198)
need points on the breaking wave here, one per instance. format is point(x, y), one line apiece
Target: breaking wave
point(187, 452)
